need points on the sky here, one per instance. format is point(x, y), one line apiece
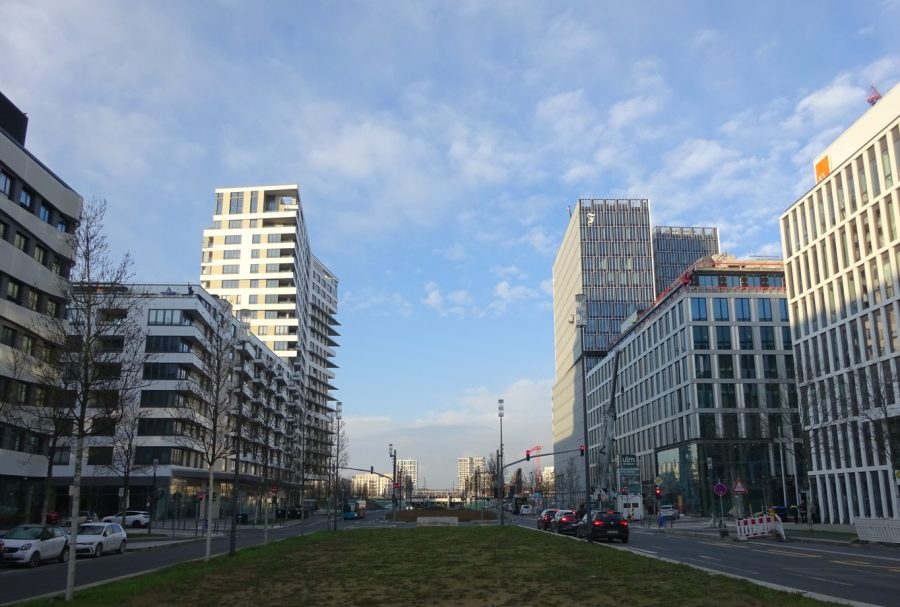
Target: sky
point(437, 146)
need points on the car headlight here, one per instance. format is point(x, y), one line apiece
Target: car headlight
point(25, 547)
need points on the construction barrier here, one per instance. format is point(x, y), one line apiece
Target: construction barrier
point(759, 526)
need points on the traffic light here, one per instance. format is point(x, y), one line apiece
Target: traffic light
point(200, 497)
point(527, 455)
point(581, 449)
point(371, 469)
point(658, 492)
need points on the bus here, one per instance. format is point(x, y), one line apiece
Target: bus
point(354, 509)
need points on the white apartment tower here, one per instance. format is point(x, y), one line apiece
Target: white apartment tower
point(841, 243)
point(257, 256)
point(408, 469)
point(467, 468)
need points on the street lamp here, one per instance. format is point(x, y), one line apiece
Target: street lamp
point(152, 498)
point(500, 463)
point(580, 322)
point(337, 457)
point(392, 453)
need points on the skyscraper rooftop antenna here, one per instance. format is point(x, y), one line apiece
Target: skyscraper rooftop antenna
point(874, 95)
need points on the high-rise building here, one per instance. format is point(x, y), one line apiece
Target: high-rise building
point(370, 485)
point(408, 469)
point(466, 469)
point(38, 213)
point(606, 256)
point(841, 243)
point(704, 390)
point(675, 249)
point(257, 256)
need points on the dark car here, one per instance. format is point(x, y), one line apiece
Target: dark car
point(545, 518)
point(565, 521)
point(604, 526)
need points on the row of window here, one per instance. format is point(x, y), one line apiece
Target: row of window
point(742, 309)
point(750, 365)
point(28, 199)
point(236, 202)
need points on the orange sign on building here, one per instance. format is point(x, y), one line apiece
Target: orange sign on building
point(823, 168)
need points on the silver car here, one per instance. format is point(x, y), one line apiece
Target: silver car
point(96, 538)
point(31, 544)
point(133, 518)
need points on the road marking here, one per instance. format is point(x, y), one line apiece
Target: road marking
point(793, 554)
point(821, 579)
point(866, 564)
point(851, 554)
point(703, 556)
point(641, 550)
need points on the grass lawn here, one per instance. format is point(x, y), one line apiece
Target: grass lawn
point(462, 566)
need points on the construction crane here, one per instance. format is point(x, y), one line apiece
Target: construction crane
point(535, 452)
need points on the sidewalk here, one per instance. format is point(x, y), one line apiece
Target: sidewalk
point(794, 532)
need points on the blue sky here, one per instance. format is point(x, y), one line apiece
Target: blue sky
point(437, 146)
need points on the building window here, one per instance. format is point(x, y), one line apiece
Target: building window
point(231, 254)
point(231, 268)
point(720, 308)
point(726, 365)
point(751, 396)
point(256, 239)
point(13, 291)
point(767, 338)
point(764, 309)
point(20, 242)
point(219, 201)
point(786, 341)
point(729, 398)
point(100, 456)
point(166, 317)
point(233, 239)
point(698, 308)
point(754, 281)
point(723, 337)
point(252, 299)
point(40, 254)
point(254, 268)
point(741, 309)
point(703, 368)
point(236, 203)
point(234, 224)
point(230, 284)
point(748, 366)
point(745, 337)
point(25, 198)
point(770, 366)
point(254, 254)
point(3, 230)
point(254, 199)
point(783, 310)
point(62, 225)
point(44, 213)
point(34, 299)
point(701, 338)
point(5, 184)
point(705, 398)
point(272, 267)
point(8, 337)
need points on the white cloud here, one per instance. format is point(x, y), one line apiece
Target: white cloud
point(632, 110)
point(457, 303)
point(703, 37)
point(378, 303)
point(827, 105)
point(695, 157)
point(506, 294)
point(514, 272)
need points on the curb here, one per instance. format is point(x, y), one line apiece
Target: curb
point(732, 536)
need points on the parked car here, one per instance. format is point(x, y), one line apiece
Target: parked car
point(607, 525)
point(669, 511)
point(133, 518)
point(564, 521)
point(545, 518)
point(31, 544)
point(526, 509)
point(94, 539)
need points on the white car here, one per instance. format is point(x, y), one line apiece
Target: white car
point(31, 544)
point(525, 510)
point(96, 538)
point(669, 511)
point(133, 518)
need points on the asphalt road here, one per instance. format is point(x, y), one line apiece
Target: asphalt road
point(862, 573)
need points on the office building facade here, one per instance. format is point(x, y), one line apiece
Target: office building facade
point(38, 214)
point(408, 469)
point(705, 390)
point(467, 468)
point(370, 485)
point(841, 243)
point(675, 249)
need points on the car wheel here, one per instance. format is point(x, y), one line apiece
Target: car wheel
point(64, 555)
point(136, 524)
point(35, 559)
point(98, 551)
point(121, 547)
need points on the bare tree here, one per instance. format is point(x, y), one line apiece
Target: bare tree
point(101, 363)
point(214, 403)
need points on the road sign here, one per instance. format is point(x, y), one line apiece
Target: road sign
point(396, 485)
point(720, 489)
point(658, 481)
point(274, 490)
point(629, 460)
point(739, 487)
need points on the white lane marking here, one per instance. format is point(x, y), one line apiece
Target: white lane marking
point(641, 550)
point(703, 556)
point(826, 580)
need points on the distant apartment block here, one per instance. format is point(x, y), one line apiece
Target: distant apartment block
point(675, 249)
point(38, 214)
point(370, 485)
point(408, 469)
point(469, 470)
point(842, 248)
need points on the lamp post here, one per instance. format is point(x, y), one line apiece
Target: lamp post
point(500, 464)
point(392, 453)
point(152, 498)
point(580, 322)
point(337, 457)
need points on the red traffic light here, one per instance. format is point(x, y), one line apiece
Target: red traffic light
point(658, 492)
point(527, 455)
point(581, 449)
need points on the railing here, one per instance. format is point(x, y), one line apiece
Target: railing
point(878, 529)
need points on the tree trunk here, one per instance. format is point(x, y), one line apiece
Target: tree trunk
point(73, 512)
point(48, 487)
point(126, 497)
point(208, 523)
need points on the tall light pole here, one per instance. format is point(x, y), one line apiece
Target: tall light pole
point(152, 498)
point(500, 463)
point(239, 415)
point(337, 456)
point(392, 453)
point(580, 323)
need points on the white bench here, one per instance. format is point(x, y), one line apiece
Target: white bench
point(437, 521)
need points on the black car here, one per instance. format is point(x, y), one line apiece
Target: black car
point(565, 521)
point(545, 518)
point(604, 526)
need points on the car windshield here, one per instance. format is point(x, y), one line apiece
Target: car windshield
point(91, 529)
point(23, 533)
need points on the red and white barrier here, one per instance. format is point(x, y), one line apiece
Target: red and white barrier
point(759, 526)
